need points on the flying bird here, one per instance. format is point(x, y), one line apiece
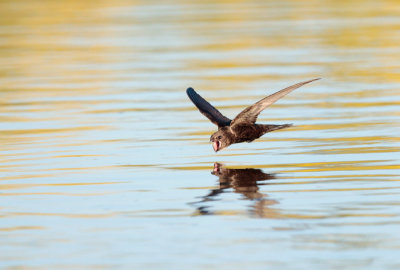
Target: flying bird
point(243, 127)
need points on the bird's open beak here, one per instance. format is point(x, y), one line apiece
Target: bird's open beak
point(216, 145)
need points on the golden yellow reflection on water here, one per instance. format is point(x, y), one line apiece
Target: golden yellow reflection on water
point(104, 159)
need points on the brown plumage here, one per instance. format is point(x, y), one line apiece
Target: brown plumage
point(243, 127)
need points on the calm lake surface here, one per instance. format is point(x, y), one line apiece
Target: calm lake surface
point(106, 164)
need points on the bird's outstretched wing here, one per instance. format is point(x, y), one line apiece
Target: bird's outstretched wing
point(250, 114)
point(207, 109)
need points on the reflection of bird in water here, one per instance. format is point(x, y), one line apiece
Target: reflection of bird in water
point(243, 181)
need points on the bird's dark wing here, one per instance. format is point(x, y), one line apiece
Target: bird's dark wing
point(207, 109)
point(250, 114)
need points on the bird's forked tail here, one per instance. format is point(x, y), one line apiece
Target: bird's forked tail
point(269, 128)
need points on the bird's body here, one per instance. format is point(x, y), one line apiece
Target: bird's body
point(248, 132)
point(243, 127)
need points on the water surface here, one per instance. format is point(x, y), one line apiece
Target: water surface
point(106, 164)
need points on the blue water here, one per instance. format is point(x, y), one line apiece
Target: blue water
point(106, 164)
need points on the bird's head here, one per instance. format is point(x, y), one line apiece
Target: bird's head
point(220, 140)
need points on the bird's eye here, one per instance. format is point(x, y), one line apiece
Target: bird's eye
point(219, 137)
